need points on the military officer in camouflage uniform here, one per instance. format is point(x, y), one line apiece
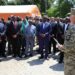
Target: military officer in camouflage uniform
point(69, 47)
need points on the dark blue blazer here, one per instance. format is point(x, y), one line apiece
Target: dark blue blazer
point(46, 30)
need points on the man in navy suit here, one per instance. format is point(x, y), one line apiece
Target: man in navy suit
point(44, 30)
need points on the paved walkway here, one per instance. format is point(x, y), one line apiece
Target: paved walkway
point(30, 66)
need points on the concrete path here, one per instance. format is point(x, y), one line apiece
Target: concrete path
point(30, 66)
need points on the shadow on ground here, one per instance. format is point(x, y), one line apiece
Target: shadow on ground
point(36, 62)
point(6, 59)
point(57, 67)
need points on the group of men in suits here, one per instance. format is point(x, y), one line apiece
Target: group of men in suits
point(49, 30)
point(21, 34)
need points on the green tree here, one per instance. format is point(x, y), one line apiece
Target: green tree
point(60, 9)
point(3, 2)
point(65, 8)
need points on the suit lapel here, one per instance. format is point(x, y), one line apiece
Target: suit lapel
point(67, 27)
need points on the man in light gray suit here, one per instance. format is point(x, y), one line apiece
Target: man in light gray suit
point(30, 33)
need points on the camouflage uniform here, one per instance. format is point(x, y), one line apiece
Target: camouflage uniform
point(69, 51)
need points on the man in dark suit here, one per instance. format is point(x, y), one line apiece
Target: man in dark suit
point(12, 32)
point(8, 23)
point(43, 33)
point(54, 24)
point(64, 28)
point(52, 41)
point(2, 39)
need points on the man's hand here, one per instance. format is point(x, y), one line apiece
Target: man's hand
point(0, 40)
point(60, 47)
point(43, 35)
point(2, 34)
point(52, 35)
point(14, 36)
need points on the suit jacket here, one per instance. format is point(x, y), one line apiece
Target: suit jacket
point(46, 30)
point(60, 32)
point(54, 29)
point(11, 30)
point(64, 27)
point(2, 31)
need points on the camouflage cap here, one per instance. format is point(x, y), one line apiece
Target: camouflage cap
point(72, 11)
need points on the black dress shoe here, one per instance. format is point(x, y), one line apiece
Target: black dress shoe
point(31, 55)
point(49, 52)
point(60, 62)
point(46, 58)
point(41, 57)
point(14, 56)
point(20, 56)
point(25, 56)
point(4, 56)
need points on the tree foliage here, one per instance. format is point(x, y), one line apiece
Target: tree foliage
point(63, 7)
point(3, 2)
